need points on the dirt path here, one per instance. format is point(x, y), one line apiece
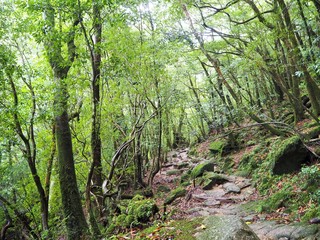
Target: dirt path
point(229, 198)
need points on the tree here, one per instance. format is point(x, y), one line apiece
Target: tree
point(71, 202)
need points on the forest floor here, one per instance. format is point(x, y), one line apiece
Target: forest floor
point(237, 198)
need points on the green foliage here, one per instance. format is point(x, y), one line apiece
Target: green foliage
point(313, 211)
point(251, 161)
point(282, 198)
point(311, 175)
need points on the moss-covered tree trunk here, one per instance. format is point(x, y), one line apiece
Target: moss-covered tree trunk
point(71, 203)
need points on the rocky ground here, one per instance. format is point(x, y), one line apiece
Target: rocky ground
point(230, 198)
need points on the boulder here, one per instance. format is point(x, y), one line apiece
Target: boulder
point(288, 156)
point(199, 169)
point(225, 228)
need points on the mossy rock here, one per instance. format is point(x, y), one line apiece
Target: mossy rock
point(313, 132)
point(173, 172)
point(288, 156)
point(141, 209)
point(138, 211)
point(198, 170)
point(243, 173)
point(182, 165)
point(176, 193)
point(217, 147)
point(163, 188)
point(209, 179)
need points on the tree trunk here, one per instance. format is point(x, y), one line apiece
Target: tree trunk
point(71, 203)
point(138, 162)
point(96, 117)
point(30, 152)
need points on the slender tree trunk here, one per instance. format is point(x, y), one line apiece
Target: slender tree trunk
point(138, 162)
point(30, 152)
point(312, 87)
point(96, 117)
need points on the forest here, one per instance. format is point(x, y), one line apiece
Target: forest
point(99, 97)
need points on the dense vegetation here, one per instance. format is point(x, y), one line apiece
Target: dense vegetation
point(94, 94)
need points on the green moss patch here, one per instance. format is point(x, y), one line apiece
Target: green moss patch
point(138, 211)
point(177, 229)
point(216, 147)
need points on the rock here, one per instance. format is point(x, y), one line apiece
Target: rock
point(211, 194)
point(303, 231)
point(182, 165)
point(225, 228)
point(163, 188)
point(210, 179)
point(173, 172)
point(271, 230)
point(231, 188)
point(244, 183)
point(176, 193)
point(199, 169)
point(288, 156)
point(217, 147)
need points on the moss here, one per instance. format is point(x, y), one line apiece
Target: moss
point(228, 165)
point(251, 161)
point(173, 172)
point(185, 177)
point(175, 229)
point(243, 173)
point(312, 132)
point(198, 170)
point(280, 146)
point(163, 188)
point(139, 210)
point(217, 147)
point(312, 212)
point(210, 179)
point(287, 155)
point(277, 200)
point(176, 193)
